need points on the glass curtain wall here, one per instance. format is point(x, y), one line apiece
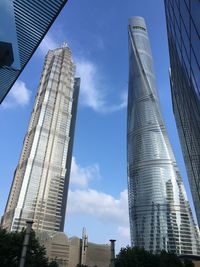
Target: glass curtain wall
point(183, 26)
point(160, 215)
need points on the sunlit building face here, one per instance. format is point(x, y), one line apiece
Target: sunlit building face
point(160, 215)
point(40, 184)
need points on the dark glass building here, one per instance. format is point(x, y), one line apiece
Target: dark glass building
point(23, 25)
point(183, 26)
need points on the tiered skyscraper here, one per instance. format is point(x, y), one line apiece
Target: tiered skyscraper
point(183, 26)
point(40, 185)
point(160, 215)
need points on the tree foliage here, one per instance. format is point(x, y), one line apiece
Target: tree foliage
point(81, 265)
point(11, 246)
point(138, 257)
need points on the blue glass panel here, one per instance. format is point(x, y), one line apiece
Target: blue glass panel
point(23, 24)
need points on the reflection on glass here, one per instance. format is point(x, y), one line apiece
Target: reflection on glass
point(23, 24)
point(185, 86)
point(160, 215)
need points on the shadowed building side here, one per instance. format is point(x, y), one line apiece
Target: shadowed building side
point(24, 25)
point(183, 27)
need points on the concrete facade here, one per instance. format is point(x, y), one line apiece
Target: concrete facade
point(40, 184)
point(69, 252)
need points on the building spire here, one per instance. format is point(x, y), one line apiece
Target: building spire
point(64, 44)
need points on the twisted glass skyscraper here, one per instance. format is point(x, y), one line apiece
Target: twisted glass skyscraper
point(40, 185)
point(160, 215)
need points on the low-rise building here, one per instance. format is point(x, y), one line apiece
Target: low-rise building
point(69, 252)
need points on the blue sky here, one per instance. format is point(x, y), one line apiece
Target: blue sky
point(96, 32)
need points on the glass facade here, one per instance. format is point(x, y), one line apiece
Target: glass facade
point(160, 215)
point(40, 184)
point(23, 25)
point(183, 26)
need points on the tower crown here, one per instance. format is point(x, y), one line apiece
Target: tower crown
point(137, 23)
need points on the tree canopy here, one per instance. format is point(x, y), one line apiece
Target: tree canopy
point(138, 257)
point(11, 246)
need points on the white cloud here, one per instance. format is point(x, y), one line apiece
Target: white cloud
point(81, 176)
point(19, 95)
point(121, 105)
point(92, 207)
point(124, 231)
point(123, 236)
point(101, 205)
point(90, 96)
point(48, 43)
point(92, 92)
point(99, 42)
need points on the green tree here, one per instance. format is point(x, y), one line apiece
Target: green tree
point(11, 246)
point(170, 260)
point(188, 263)
point(53, 264)
point(138, 257)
